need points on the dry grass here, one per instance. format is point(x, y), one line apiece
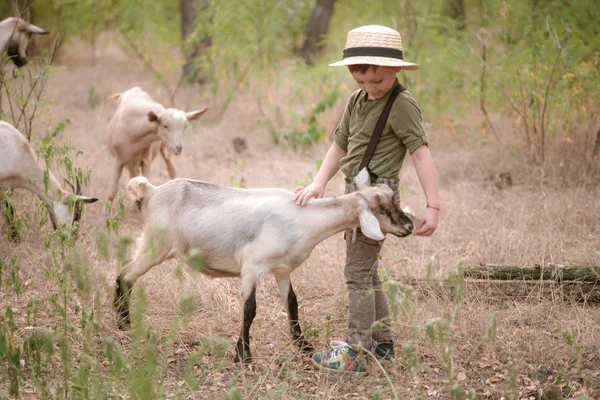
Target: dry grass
point(529, 223)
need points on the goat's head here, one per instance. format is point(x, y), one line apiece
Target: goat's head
point(18, 32)
point(69, 209)
point(171, 124)
point(378, 212)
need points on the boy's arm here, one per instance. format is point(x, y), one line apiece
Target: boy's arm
point(330, 166)
point(428, 177)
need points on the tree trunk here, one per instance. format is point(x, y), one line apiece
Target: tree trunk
point(23, 11)
point(194, 50)
point(14, 8)
point(26, 11)
point(597, 146)
point(457, 12)
point(317, 29)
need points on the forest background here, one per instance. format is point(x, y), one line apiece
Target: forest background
point(509, 92)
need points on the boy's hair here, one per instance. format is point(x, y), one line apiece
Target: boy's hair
point(362, 68)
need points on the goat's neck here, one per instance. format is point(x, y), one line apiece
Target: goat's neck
point(326, 217)
point(146, 136)
point(34, 182)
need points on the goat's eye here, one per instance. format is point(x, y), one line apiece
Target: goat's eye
point(381, 210)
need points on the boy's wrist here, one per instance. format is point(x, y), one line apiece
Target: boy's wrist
point(319, 182)
point(435, 207)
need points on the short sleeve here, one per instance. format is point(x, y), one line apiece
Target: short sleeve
point(407, 123)
point(342, 132)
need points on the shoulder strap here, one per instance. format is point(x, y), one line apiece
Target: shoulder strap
point(380, 125)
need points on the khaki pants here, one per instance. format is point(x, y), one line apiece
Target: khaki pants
point(367, 302)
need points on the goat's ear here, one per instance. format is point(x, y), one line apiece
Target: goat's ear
point(35, 29)
point(114, 96)
point(192, 115)
point(369, 225)
point(153, 117)
point(363, 179)
point(84, 199)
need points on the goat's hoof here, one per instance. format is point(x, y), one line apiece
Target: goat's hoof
point(242, 353)
point(14, 236)
point(123, 323)
point(243, 360)
point(121, 304)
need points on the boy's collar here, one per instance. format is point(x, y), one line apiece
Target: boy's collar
point(365, 95)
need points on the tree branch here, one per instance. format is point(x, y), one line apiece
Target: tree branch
point(150, 67)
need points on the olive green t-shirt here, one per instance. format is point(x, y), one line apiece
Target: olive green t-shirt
point(403, 133)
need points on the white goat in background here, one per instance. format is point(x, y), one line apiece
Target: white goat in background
point(14, 38)
point(247, 232)
point(19, 169)
point(140, 128)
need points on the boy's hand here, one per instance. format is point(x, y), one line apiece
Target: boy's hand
point(303, 194)
point(429, 224)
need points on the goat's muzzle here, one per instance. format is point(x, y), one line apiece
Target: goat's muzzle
point(403, 230)
point(177, 150)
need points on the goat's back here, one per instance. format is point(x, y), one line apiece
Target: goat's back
point(130, 121)
point(16, 155)
point(217, 219)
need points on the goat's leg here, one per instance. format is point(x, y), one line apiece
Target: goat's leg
point(134, 170)
point(146, 168)
point(243, 344)
point(164, 151)
point(114, 183)
point(146, 162)
point(144, 260)
point(291, 305)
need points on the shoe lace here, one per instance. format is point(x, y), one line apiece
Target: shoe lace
point(337, 347)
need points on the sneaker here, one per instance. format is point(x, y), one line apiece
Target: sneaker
point(384, 351)
point(341, 358)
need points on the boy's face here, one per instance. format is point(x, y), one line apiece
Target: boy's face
point(376, 83)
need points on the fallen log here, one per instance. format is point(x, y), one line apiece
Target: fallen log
point(492, 290)
point(552, 272)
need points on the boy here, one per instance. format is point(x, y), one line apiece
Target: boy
point(373, 55)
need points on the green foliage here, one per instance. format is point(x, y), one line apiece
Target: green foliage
point(18, 226)
point(298, 128)
point(233, 393)
point(195, 260)
point(93, 97)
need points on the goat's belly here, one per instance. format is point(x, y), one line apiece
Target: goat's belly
point(220, 268)
point(215, 273)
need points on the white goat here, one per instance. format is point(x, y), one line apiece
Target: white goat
point(19, 169)
point(14, 38)
point(247, 232)
point(137, 124)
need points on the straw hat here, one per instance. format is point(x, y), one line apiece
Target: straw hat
point(375, 45)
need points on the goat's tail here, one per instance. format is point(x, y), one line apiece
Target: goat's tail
point(138, 188)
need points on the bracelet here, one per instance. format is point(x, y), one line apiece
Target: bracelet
point(435, 208)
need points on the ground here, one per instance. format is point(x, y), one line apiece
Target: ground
point(538, 343)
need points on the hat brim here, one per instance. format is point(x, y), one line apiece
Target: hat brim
point(382, 61)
